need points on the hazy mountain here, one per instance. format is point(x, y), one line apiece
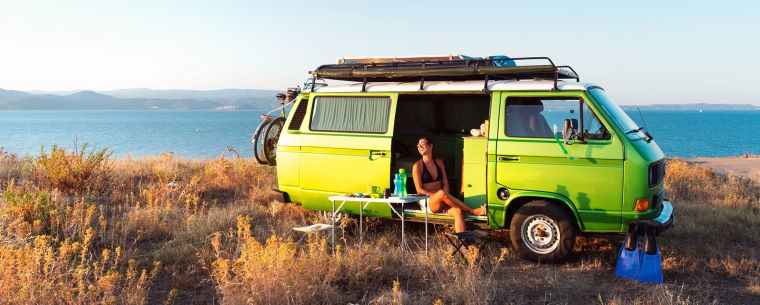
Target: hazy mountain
point(88, 100)
point(222, 94)
point(11, 94)
point(695, 107)
point(135, 99)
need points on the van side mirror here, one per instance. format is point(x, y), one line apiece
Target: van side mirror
point(570, 131)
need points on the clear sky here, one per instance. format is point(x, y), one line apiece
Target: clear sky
point(642, 52)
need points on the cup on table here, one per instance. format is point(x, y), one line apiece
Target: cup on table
point(374, 191)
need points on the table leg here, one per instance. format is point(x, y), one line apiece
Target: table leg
point(427, 202)
point(403, 240)
point(361, 232)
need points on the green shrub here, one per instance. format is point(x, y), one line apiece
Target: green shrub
point(75, 171)
point(29, 206)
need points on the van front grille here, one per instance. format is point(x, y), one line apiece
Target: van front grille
point(298, 116)
point(656, 173)
point(657, 199)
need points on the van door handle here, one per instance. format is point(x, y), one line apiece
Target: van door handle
point(509, 159)
point(377, 153)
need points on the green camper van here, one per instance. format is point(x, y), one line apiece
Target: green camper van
point(559, 158)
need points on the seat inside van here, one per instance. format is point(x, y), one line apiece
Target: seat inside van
point(445, 119)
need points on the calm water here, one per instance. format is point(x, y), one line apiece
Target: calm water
point(703, 134)
point(136, 133)
point(207, 133)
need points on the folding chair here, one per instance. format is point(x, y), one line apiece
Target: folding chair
point(313, 229)
point(464, 239)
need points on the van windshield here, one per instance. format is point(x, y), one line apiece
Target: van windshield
point(631, 129)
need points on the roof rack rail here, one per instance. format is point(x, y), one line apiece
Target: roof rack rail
point(495, 68)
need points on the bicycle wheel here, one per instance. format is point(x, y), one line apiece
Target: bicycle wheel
point(258, 141)
point(271, 136)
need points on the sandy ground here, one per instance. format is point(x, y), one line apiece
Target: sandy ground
point(740, 166)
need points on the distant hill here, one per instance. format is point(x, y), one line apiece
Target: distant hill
point(11, 94)
point(140, 98)
point(136, 99)
point(221, 94)
point(695, 107)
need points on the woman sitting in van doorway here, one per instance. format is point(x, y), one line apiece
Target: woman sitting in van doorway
point(430, 179)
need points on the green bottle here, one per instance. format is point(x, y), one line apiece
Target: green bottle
point(402, 176)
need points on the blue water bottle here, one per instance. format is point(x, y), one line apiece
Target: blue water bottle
point(397, 186)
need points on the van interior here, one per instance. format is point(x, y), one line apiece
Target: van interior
point(445, 119)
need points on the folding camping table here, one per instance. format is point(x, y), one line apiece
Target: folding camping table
point(392, 202)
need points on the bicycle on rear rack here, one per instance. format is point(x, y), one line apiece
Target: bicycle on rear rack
point(268, 132)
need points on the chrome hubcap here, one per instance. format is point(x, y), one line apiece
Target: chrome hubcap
point(541, 234)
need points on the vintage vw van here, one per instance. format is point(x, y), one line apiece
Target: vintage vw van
point(559, 157)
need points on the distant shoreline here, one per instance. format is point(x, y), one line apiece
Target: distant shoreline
point(692, 107)
point(748, 167)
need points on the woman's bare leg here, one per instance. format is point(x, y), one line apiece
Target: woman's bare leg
point(454, 202)
point(441, 198)
point(458, 219)
point(436, 201)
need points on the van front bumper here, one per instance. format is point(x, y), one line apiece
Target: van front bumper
point(659, 224)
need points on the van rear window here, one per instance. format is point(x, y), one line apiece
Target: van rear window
point(365, 114)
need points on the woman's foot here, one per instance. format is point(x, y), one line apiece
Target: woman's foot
point(481, 211)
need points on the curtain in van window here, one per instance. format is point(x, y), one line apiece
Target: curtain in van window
point(351, 114)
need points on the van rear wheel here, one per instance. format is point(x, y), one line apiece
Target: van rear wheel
point(542, 231)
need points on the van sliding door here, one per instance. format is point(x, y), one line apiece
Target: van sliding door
point(347, 148)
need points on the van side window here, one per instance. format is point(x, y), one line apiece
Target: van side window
point(295, 122)
point(534, 117)
point(592, 127)
point(366, 114)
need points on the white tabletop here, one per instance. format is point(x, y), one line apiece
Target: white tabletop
point(405, 199)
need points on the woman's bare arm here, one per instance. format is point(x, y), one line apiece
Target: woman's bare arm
point(445, 178)
point(417, 177)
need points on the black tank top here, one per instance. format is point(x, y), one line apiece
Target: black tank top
point(426, 176)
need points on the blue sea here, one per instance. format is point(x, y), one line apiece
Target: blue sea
point(208, 133)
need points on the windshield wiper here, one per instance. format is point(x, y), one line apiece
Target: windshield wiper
point(634, 130)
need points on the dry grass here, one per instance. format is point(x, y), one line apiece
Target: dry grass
point(166, 230)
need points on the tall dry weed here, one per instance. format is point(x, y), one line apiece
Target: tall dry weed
point(238, 178)
point(10, 166)
point(281, 271)
point(67, 272)
point(28, 212)
point(690, 183)
point(219, 237)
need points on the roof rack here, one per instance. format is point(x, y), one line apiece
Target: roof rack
point(493, 68)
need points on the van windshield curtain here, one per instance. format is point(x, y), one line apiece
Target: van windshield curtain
point(351, 114)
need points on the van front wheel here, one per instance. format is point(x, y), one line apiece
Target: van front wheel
point(542, 232)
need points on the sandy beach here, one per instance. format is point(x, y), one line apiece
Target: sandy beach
point(741, 166)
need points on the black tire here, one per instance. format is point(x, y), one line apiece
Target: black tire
point(541, 231)
point(271, 136)
point(258, 141)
